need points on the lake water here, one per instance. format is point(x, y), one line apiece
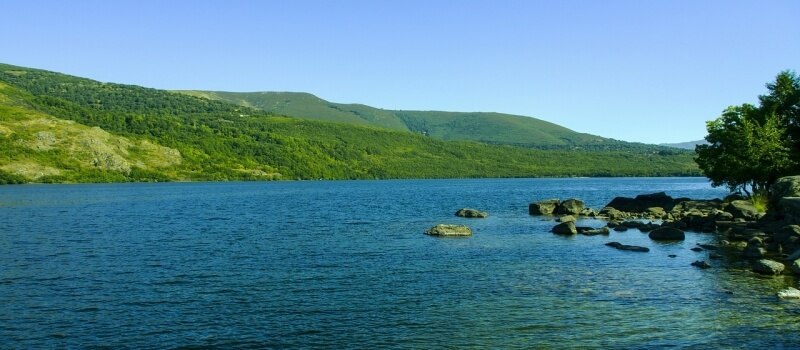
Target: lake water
point(345, 264)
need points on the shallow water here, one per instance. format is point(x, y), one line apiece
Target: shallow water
point(344, 264)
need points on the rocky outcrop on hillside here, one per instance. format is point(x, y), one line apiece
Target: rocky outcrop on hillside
point(89, 147)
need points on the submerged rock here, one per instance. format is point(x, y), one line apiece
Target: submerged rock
point(595, 231)
point(632, 248)
point(449, 230)
point(471, 213)
point(701, 264)
point(666, 233)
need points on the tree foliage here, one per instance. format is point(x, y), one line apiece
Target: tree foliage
point(751, 147)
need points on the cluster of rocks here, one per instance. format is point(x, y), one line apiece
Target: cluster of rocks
point(451, 230)
point(771, 240)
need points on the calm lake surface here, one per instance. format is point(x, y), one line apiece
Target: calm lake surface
point(345, 264)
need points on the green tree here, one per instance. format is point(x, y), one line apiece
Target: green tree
point(751, 147)
point(783, 100)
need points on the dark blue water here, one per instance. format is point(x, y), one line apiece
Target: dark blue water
point(345, 265)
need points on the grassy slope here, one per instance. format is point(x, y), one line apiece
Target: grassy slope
point(493, 128)
point(219, 141)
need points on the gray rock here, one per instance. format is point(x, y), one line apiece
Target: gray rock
point(794, 256)
point(543, 207)
point(795, 267)
point(566, 218)
point(565, 228)
point(701, 264)
point(783, 234)
point(666, 233)
point(648, 227)
point(632, 223)
point(789, 293)
point(752, 251)
point(449, 230)
point(612, 213)
point(784, 187)
point(471, 213)
point(742, 210)
point(598, 231)
point(621, 228)
point(570, 206)
point(655, 212)
point(790, 207)
point(631, 248)
point(768, 267)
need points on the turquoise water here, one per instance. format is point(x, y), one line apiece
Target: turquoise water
point(344, 264)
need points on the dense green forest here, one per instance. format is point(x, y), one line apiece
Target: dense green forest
point(60, 128)
point(491, 128)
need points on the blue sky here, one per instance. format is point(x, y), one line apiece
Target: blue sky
point(644, 71)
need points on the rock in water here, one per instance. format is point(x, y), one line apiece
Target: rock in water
point(742, 209)
point(471, 213)
point(701, 264)
point(446, 230)
point(789, 293)
point(768, 267)
point(545, 207)
point(565, 228)
point(570, 207)
point(666, 233)
point(795, 267)
point(631, 248)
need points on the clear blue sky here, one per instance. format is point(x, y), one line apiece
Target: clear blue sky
point(640, 70)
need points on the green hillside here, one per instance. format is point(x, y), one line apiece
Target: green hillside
point(60, 128)
point(492, 128)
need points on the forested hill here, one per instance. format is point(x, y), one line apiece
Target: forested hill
point(60, 128)
point(492, 128)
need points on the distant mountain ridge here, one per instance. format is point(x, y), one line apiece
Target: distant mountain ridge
point(485, 127)
point(690, 145)
point(58, 128)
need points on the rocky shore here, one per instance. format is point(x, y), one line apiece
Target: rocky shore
point(770, 240)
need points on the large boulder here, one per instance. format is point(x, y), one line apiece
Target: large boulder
point(565, 228)
point(742, 210)
point(642, 202)
point(667, 233)
point(789, 207)
point(768, 267)
point(570, 206)
point(795, 267)
point(543, 207)
point(785, 187)
point(471, 213)
point(449, 230)
point(786, 233)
